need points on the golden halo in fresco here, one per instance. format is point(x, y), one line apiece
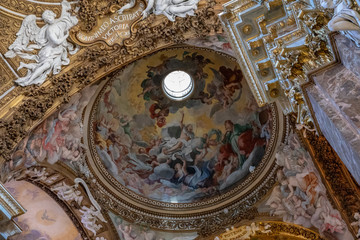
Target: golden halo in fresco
point(193, 153)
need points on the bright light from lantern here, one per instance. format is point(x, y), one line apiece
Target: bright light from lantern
point(178, 85)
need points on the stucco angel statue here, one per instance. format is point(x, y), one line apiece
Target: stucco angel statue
point(50, 39)
point(170, 8)
point(345, 19)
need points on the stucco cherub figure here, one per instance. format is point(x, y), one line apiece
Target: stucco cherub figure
point(68, 193)
point(170, 8)
point(37, 175)
point(89, 218)
point(50, 39)
point(345, 19)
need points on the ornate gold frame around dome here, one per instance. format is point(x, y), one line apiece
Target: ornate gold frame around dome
point(238, 202)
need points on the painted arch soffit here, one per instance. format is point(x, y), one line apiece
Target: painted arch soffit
point(58, 140)
point(171, 159)
point(62, 195)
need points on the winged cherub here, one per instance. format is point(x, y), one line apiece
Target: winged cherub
point(50, 39)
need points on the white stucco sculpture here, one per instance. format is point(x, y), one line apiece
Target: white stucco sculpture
point(253, 229)
point(37, 175)
point(91, 215)
point(170, 8)
point(68, 193)
point(51, 42)
point(89, 218)
point(345, 19)
point(300, 197)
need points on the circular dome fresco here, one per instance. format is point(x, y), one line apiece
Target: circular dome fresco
point(208, 150)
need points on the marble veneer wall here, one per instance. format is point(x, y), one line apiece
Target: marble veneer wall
point(335, 101)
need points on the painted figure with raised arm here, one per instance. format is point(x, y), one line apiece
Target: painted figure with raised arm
point(50, 39)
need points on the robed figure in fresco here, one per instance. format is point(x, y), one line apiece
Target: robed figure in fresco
point(186, 150)
point(239, 139)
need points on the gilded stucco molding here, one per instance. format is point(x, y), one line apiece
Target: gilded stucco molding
point(341, 186)
point(34, 103)
point(268, 230)
point(6, 76)
point(8, 28)
point(278, 43)
point(28, 7)
point(90, 10)
point(206, 223)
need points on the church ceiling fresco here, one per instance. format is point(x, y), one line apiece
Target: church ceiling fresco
point(44, 218)
point(217, 42)
point(58, 138)
point(180, 151)
point(300, 197)
point(199, 180)
point(118, 117)
point(93, 61)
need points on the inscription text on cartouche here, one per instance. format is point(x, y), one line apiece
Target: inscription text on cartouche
point(114, 28)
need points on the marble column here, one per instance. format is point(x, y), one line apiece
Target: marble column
point(335, 101)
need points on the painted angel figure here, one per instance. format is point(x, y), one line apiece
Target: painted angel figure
point(169, 8)
point(50, 39)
